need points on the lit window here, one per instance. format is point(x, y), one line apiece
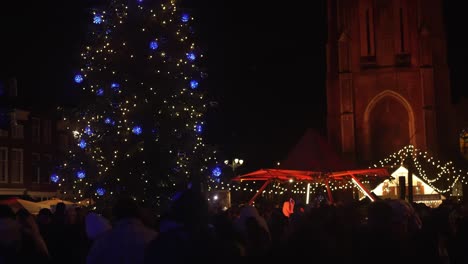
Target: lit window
point(464, 143)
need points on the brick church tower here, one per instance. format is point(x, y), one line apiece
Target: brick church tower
point(387, 77)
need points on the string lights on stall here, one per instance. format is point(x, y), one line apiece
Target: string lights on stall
point(434, 172)
point(280, 188)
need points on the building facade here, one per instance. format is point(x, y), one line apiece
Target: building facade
point(30, 141)
point(388, 80)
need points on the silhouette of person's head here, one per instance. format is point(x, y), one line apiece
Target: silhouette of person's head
point(60, 208)
point(45, 212)
point(6, 212)
point(22, 214)
point(379, 215)
point(44, 216)
point(125, 207)
point(190, 208)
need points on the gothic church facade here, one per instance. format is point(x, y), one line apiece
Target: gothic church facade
point(388, 80)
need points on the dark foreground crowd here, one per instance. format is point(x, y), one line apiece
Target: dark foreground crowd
point(363, 232)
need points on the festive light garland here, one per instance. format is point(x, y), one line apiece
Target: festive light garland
point(442, 173)
point(143, 99)
point(421, 160)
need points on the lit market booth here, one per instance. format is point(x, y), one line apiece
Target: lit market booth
point(423, 192)
point(322, 178)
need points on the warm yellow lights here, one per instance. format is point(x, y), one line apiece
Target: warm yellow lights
point(439, 171)
point(182, 104)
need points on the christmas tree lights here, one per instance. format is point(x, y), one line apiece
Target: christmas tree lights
point(139, 127)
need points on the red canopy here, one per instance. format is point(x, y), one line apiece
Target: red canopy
point(277, 174)
point(297, 175)
point(314, 160)
point(356, 176)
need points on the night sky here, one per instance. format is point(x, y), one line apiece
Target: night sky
point(266, 66)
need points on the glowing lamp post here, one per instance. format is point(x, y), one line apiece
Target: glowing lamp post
point(236, 163)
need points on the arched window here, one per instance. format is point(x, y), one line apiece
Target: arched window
point(464, 143)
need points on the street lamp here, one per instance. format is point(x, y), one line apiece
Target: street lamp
point(234, 164)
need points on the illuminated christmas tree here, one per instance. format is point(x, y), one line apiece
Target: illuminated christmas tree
point(139, 126)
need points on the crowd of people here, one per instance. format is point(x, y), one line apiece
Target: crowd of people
point(380, 231)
